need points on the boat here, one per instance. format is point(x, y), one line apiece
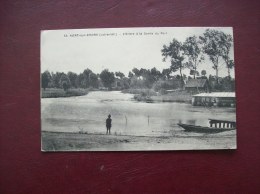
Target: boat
point(219, 126)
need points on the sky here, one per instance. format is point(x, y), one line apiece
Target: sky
point(117, 49)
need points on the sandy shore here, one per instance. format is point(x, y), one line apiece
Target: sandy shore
point(59, 141)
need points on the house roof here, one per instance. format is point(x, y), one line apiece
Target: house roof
point(217, 94)
point(194, 83)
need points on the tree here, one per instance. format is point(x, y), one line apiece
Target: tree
point(56, 79)
point(175, 52)
point(148, 77)
point(203, 73)
point(194, 73)
point(230, 65)
point(120, 74)
point(136, 72)
point(227, 84)
point(191, 48)
point(130, 74)
point(72, 77)
point(80, 81)
point(46, 78)
point(213, 41)
point(136, 83)
point(166, 73)
point(93, 80)
point(65, 82)
point(126, 82)
point(86, 81)
point(227, 44)
point(156, 74)
point(107, 78)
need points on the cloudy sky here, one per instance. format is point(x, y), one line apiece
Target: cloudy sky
point(116, 49)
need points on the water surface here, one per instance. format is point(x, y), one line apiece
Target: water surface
point(88, 114)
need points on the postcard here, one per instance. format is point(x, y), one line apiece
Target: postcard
point(138, 89)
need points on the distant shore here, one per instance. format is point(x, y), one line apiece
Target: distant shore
point(60, 141)
point(143, 95)
point(58, 93)
point(148, 95)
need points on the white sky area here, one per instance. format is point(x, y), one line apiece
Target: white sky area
point(117, 52)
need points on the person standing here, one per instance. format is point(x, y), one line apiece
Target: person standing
point(108, 124)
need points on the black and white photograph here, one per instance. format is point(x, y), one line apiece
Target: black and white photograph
point(138, 89)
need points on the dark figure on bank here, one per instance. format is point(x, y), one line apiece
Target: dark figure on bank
point(108, 124)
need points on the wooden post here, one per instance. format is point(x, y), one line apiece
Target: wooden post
point(125, 120)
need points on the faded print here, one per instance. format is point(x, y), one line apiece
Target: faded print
point(124, 89)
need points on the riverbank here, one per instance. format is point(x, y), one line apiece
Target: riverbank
point(57, 92)
point(59, 141)
point(176, 96)
point(149, 95)
point(143, 95)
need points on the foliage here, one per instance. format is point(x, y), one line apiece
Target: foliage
point(130, 74)
point(72, 77)
point(46, 78)
point(174, 51)
point(194, 73)
point(141, 91)
point(65, 82)
point(213, 41)
point(107, 78)
point(93, 80)
point(227, 44)
point(156, 74)
point(203, 72)
point(120, 74)
point(166, 73)
point(136, 83)
point(126, 83)
point(175, 96)
point(136, 72)
point(56, 79)
point(57, 92)
point(191, 48)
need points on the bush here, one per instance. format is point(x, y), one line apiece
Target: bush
point(143, 92)
point(56, 92)
point(162, 91)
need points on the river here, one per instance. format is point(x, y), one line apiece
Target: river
point(88, 114)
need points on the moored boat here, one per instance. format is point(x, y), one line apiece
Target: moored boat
point(220, 126)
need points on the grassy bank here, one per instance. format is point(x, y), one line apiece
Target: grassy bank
point(57, 92)
point(55, 141)
point(177, 96)
point(149, 95)
point(141, 91)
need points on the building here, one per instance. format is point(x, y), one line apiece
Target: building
point(218, 99)
point(197, 85)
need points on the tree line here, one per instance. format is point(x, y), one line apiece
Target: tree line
point(138, 78)
point(214, 44)
point(86, 79)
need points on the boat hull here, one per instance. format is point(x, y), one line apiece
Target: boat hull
point(201, 129)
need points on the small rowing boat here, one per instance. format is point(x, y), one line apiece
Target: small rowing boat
point(219, 126)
